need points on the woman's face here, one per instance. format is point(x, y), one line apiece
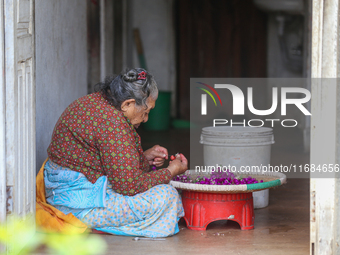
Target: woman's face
point(137, 114)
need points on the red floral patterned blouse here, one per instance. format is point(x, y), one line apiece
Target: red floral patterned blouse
point(94, 138)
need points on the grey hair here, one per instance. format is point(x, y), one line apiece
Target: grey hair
point(128, 85)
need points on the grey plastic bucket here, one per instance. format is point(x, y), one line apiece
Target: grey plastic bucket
point(239, 147)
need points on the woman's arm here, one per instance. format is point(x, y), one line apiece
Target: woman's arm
point(122, 160)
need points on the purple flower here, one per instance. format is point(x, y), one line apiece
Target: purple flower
point(217, 179)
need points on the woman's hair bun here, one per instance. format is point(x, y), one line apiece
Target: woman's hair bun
point(130, 76)
point(135, 83)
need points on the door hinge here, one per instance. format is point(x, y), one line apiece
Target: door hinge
point(312, 206)
point(9, 199)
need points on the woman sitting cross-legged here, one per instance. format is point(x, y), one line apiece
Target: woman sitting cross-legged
point(97, 169)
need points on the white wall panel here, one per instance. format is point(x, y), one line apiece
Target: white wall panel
point(61, 63)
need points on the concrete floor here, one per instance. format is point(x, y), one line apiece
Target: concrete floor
point(281, 228)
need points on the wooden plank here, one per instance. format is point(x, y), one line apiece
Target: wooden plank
point(93, 44)
point(218, 39)
point(118, 39)
point(325, 126)
point(20, 109)
point(2, 118)
point(11, 90)
point(102, 40)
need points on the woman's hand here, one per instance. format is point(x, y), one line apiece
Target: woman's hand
point(178, 165)
point(156, 155)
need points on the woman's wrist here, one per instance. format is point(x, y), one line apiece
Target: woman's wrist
point(172, 170)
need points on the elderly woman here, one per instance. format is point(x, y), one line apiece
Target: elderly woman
point(97, 169)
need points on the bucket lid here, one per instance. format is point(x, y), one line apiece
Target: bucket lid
point(237, 136)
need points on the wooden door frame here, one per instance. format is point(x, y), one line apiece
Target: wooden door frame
point(2, 117)
point(325, 127)
point(17, 110)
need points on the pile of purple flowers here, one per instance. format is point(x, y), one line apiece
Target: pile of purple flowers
point(217, 178)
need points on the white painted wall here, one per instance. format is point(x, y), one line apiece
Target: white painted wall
point(61, 63)
point(155, 22)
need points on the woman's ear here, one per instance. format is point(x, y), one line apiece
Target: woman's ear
point(127, 104)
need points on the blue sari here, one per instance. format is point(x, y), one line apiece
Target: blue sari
point(154, 213)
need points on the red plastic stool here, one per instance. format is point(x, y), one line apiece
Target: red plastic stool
point(203, 208)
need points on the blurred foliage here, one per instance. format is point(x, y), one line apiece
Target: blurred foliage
point(17, 232)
